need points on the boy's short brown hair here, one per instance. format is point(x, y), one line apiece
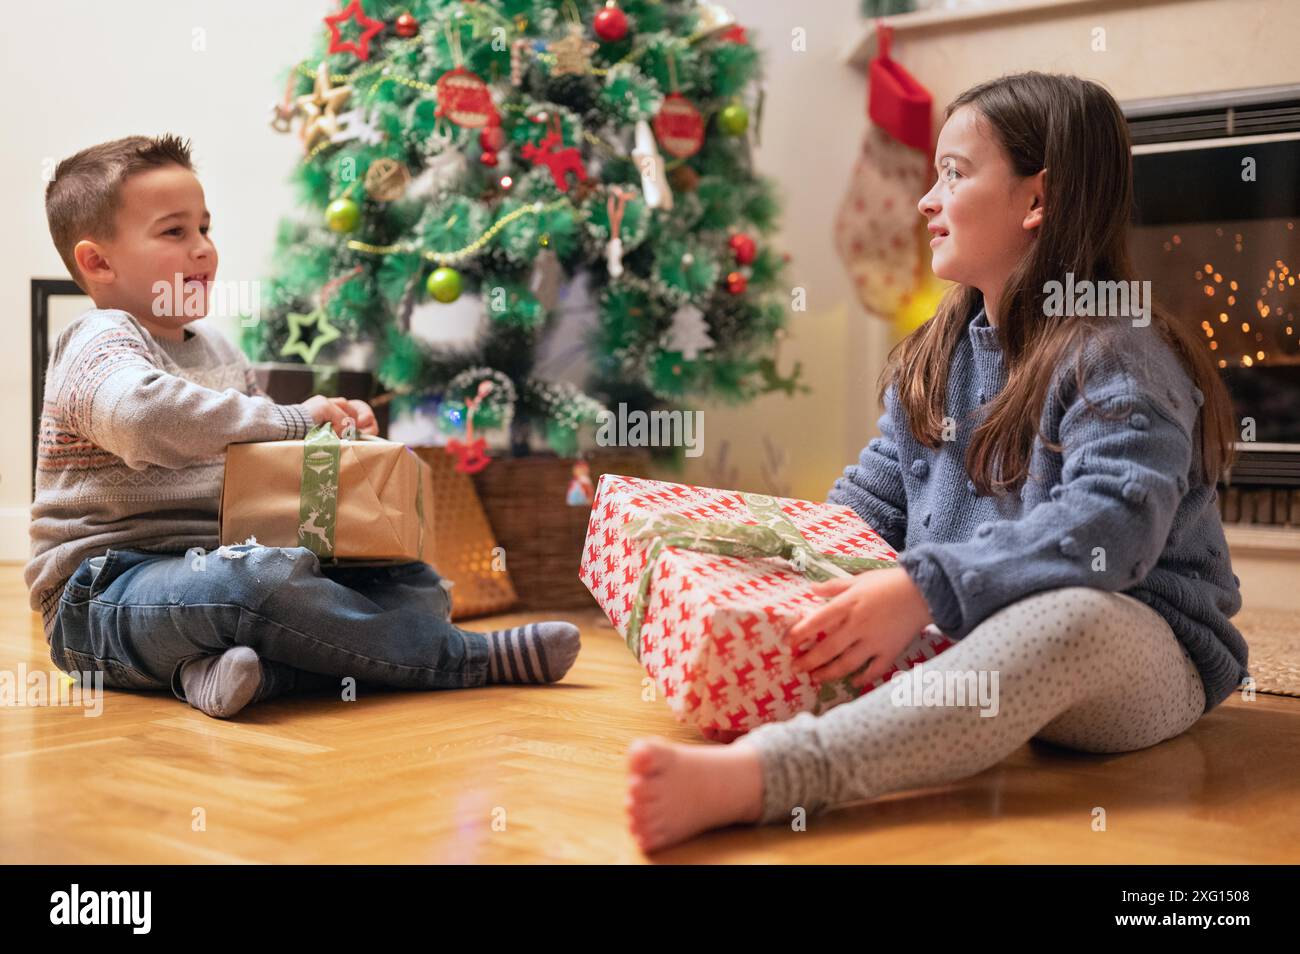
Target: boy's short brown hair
point(83, 198)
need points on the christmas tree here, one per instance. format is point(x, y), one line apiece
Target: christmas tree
point(500, 149)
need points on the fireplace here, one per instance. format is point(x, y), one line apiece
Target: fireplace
point(1217, 202)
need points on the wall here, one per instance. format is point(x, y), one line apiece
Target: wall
point(89, 71)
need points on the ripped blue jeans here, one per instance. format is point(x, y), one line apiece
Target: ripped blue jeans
point(137, 616)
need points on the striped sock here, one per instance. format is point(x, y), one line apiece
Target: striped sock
point(538, 652)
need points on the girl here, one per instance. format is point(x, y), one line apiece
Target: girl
point(1048, 479)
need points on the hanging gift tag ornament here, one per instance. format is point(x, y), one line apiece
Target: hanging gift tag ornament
point(679, 126)
point(387, 180)
point(369, 28)
point(654, 184)
point(544, 282)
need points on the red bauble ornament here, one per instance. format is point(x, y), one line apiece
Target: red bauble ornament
point(361, 45)
point(679, 127)
point(465, 99)
point(735, 35)
point(610, 24)
point(736, 282)
point(743, 247)
point(488, 158)
point(406, 25)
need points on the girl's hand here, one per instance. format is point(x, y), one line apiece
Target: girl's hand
point(871, 617)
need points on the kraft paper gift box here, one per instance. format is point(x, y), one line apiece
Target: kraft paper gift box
point(367, 500)
point(704, 583)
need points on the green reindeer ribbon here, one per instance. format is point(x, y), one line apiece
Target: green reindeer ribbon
point(775, 536)
point(319, 490)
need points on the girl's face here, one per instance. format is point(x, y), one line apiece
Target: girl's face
point(981, 214)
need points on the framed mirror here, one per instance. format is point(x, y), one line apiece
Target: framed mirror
point(56, 302)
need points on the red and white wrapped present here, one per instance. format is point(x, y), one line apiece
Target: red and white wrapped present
point(704, 583)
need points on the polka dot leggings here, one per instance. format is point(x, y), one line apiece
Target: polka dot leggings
point(1078, 667)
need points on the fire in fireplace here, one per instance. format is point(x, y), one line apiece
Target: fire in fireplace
point(1217, 202)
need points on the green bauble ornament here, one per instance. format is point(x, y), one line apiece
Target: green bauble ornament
point(444, 284)
point(342, 215)
point(734, 119)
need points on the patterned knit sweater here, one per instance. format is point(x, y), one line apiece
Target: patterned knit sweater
point(133, 442)
point(1123, 506)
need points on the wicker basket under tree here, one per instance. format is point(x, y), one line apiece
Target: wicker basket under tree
point(542, 534)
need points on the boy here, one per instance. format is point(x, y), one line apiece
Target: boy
point(137, 413)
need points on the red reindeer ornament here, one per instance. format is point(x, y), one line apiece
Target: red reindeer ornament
point(560, 161)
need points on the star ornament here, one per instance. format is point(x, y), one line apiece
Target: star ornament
point(573, 53)
point(361, 45)
point(320, 108)
point(325, 333)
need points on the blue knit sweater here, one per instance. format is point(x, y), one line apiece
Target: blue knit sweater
point(1132, 487)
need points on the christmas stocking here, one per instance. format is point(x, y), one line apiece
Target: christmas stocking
point(878, 229)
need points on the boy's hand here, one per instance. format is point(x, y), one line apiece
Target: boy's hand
point(340, 413)
point(360, 412)
point(872, 616)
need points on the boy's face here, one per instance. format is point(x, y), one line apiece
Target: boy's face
point(162, 236)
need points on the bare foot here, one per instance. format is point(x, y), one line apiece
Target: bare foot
point(677, 791)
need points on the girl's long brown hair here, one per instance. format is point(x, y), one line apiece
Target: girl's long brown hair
point(1075, 130)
